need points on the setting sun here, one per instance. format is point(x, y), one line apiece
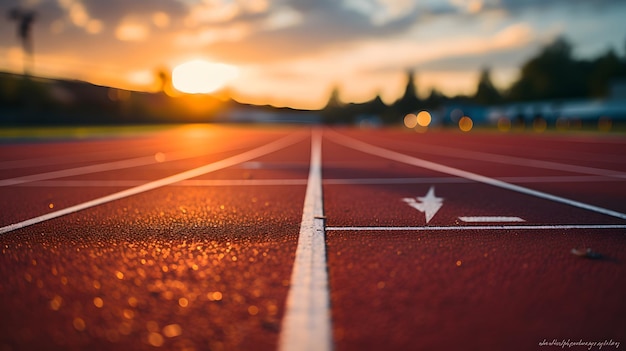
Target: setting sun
point(202, 77)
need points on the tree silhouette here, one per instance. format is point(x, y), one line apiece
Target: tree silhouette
point(410, 92)
point(435, 99)
point(333, 100)
point(553, 74)
point(604, 70)
point(24, 19)
point(409, 102)
point(334, 111)
point(486, 92)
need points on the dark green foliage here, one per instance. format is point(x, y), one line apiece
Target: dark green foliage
point(556, 74)
point(486, 92)
point(409, 101)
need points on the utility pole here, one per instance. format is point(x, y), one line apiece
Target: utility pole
point(25, 19)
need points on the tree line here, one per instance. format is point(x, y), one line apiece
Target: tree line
point(553, 74)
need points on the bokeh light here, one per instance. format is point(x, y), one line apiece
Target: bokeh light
point(466, 124)
point(410, 120)
point(424, 118)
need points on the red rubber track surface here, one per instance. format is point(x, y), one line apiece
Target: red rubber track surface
point(205, 264)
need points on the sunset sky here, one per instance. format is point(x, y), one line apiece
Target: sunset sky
point(292, 52)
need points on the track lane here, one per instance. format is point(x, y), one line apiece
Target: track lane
point(438, 167)
point(159, 176)
point(601, 151)
point(474, 290)
point(178, 267)
point(454, 285)
point(437, 287)
point(208, 262)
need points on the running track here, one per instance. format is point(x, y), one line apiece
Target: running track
point(277, 238)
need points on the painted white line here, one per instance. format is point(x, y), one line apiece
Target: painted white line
point(418, 162)
point(274, 165)
point(482, 227)
point(241, 182)
point(55, 160)
point(190, 182)
point(491, 219)
point(83, 183)
point(101, 167)
point(281, 182)
point(560, 179)
point(186, 132)
point(391, 181)
point(306, 324)
point(211, 167)
point(158, 157)
point(519, 161)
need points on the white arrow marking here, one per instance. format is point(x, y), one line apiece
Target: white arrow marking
point(429, 204)
point(494, 219)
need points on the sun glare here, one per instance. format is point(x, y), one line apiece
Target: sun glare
point(202, 77)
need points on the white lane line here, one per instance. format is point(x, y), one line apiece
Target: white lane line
point(491, 219)
point(190, 182)
point(58, 160)
point(272, 165)
point(306, 325)
point(560, 179)
point(241, 182)
point(418, 162)
point(519, 161)
point(347, 181)
point(54, 160)
point(83, 183)
point(158, 157)
point(101, 167)
point(211, 167)
point(482, 227)
point(457, 180)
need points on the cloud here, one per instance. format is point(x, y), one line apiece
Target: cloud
point(284, 43)
point(322, 25)
point(519, 5)
point(282, 17)
point(207, 35)
point(132, 31)
point(212, 12)
point(160, 19)
point(381, 12)
point(246, 31)
point(458, 52)
point(305, 28)
point(111, 11)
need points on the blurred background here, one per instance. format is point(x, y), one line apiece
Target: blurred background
point(506, 64)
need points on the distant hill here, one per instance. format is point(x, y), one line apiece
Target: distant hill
point(34, 100)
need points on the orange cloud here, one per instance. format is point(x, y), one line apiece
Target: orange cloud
point(212, 34)
point(79, 17)
point(132, 32)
